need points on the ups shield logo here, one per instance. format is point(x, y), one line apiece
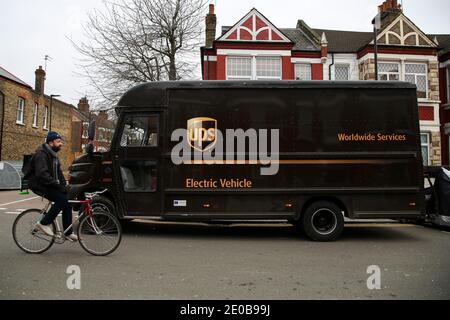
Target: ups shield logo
point(202, 133)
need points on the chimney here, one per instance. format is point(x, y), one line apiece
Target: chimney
point(389, 5)
point(102, 115)
point(324, 48)
point(83, 106)
point(40, 80)
point(211, 22)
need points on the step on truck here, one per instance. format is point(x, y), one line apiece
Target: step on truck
point(310, 153)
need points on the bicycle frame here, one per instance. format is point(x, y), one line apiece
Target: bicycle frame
point(86, 210)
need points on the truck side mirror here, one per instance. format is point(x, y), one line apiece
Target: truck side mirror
point(89, 148)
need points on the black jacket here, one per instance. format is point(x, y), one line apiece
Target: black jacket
point(46, 172)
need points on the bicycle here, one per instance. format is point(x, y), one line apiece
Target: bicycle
point(96, 225)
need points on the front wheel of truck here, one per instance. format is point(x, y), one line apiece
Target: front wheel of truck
point(323, 221)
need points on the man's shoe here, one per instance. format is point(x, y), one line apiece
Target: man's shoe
point(45, 229)
point(72, 237)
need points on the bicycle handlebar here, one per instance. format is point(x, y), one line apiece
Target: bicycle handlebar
point(90, 195)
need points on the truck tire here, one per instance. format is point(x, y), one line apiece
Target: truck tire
point(104, 203)
point(323, 221)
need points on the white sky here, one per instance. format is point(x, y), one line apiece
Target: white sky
point(29, 29)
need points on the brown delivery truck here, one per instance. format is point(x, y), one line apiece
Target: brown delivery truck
point(310, 153)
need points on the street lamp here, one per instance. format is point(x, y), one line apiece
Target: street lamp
point(51, 107)
point(376, 26)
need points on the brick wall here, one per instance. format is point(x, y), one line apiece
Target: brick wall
point(23, 139)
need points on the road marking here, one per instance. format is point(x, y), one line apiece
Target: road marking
point(3, 208)
point(21, 210)
point(28, 199)
point(13, 212)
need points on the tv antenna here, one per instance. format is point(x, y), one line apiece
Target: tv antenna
point(47, 58)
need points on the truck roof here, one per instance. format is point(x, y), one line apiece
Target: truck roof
point(141, 95)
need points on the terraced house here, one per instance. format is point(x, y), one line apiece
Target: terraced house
point(26, 116)
point(255, 49)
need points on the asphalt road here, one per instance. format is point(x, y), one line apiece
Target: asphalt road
point(195, 261)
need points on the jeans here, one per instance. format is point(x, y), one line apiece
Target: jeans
point(61, 203)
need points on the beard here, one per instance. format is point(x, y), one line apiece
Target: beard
point(56, 149)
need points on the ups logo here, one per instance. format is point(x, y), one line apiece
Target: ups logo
point(202, 133)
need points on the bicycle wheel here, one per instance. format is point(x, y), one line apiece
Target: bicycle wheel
point(26, 237)
point(100, 234)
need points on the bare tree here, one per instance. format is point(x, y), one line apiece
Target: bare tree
point(136, 41)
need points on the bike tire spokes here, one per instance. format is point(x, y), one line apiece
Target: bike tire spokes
point(99, 234)
point(27, 237)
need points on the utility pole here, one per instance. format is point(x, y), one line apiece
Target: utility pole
point(376, 27)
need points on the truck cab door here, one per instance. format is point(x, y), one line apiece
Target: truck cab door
point(137, 161)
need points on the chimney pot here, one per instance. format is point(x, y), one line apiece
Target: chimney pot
point(39, 80)
point(211, 23)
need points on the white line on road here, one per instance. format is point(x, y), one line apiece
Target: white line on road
point(3, 208)
point(6, 204)
point(15, 212)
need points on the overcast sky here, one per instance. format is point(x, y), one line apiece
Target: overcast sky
point(31, 29)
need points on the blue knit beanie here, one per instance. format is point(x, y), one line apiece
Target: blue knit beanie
point(52, 135)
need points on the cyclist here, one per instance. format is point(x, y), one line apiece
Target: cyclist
point(47, 180)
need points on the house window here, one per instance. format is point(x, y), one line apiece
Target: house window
point(20, 110)
point(303, 71)
point(45, 124)
point(85, 130)
point(35, 115)
point(417, 74)
point(425, 145)
point(389, 71)
point(239, 68)
point(341, 72)
point(268, 68)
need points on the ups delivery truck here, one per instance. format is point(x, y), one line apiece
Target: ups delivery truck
point(310, 153)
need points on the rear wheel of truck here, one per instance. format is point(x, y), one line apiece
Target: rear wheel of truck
point(323, 221)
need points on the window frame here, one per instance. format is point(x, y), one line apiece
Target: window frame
point(341, 65)
point(35, 115)
point(419, 74)
point(297, 72)
point(278, 58)
point(20, 110)
point(388, 73)
point(232, 77)
point(253, 67)
point(136, 115)
point(427, 145)
point(45, 118)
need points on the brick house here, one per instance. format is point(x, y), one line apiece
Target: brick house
point(26, 116)
point(104, 129)
point(444, 88)
point(255, 49)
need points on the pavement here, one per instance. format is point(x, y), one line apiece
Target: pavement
point(158, 260)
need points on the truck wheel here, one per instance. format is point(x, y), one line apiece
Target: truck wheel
point(103, 203)
point(323, 221)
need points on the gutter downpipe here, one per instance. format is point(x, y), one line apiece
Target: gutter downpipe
point(329, 67)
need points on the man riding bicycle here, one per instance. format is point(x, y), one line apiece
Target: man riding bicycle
point(47, 180)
